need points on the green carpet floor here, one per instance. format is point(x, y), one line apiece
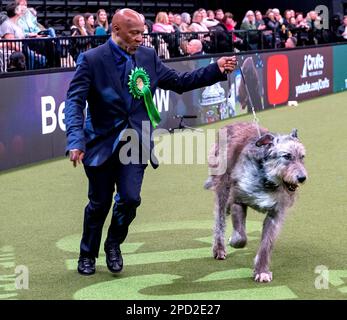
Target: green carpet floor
point(167, 254)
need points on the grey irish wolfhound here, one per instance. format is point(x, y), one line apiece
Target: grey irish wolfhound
point(261, 173)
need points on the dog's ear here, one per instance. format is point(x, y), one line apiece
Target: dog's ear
point(265, 140)
point(294, 133)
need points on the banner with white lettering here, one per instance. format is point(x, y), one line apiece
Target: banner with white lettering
point(32, 124)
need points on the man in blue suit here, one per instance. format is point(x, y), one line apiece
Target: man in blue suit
point(96, 139)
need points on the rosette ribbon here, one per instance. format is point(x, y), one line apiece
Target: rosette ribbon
point(139, 86)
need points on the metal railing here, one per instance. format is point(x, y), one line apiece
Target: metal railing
point(62, 52)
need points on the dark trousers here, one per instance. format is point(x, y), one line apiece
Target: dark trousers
point(102, 181)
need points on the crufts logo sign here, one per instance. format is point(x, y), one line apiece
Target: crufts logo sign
point(313, 66)
point(277, 79)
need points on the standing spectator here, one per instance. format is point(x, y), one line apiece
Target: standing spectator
point(89, 23)
point(259, 22)
point(221, 38)
point(101, 27)
point(274, 26)
point(278, 16)
point(342, 30)
point(251, 37)
point(287, 16)
point(314, 24)
point(248, 22)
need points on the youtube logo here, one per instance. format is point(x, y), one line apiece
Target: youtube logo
point(277, 79)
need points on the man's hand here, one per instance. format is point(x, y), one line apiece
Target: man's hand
point(227, 64)
point(76, 156)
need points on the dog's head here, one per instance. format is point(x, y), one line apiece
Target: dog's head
point(283, 160)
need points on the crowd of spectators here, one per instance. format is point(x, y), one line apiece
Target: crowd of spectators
point(172, 33)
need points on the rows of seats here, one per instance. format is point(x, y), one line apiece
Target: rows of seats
point(59, 14)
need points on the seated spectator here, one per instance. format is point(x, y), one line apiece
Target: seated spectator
point(177, 21)
point(10, 30)
point(194, 47)
point(210, 21)
point(221, 38)
point(219, 14)
point(171, 17)
point(290, 43)
point(203, 13)
point(197, 25)
point(342, 30)
point(28, 22)
point(16, 62)
point(186, 19)
point(78, 26)
point(89, 23)
point(102, 27)
point(162, 24)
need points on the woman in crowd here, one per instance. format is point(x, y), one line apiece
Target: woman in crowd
point(89, 20)
point(210, 21)
point(162, 24)
point(101, 27)
point(78, 26)
point(186, 19)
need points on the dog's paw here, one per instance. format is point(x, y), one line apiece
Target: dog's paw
point(263, 277)
point(237, 240)
point(219, 253)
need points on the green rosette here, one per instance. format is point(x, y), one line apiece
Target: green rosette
point(139, 86)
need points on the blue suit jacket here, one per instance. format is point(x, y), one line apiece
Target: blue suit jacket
point(97, 81)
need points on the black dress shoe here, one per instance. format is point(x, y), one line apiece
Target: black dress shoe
point(114, 259)
point(86, 266)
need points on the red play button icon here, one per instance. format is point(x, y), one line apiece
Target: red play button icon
point(277, 79)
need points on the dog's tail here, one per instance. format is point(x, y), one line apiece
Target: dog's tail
point(209, 185)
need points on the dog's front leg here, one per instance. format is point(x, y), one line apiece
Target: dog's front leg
point(238, 238)
point(271, 228)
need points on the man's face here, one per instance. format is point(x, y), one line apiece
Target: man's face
point(128, 35)
point(345, 21)
point(219, 15)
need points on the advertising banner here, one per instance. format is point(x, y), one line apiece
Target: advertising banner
point(32, 124)
point(340, 68)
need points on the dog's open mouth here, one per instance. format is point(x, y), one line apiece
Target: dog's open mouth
point(291, 186)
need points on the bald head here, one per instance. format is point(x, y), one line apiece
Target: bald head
point(125, 16)
point(194, 46)
point(127, 29)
